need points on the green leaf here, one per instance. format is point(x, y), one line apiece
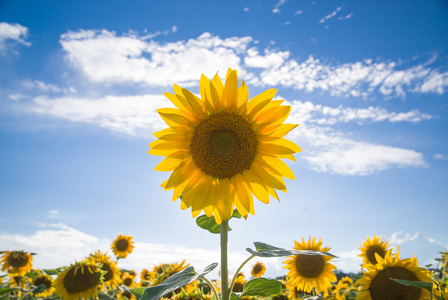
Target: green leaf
point(262, 287)
point(234, 296)
point(208, 223)
point(5, 297)
point(174, 282)
point(265, 250)
point(424, 285)
point(53, 271)
point(138, 292)
point(7, 290)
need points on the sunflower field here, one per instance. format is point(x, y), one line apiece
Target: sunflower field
point(385, 276)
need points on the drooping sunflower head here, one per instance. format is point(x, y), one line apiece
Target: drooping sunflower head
point(122, 246)
point(163, 271)
point(46, 281)
point(239, 284)
point(310, 271)
point(223, 149)
point(371, 247)
point(79, 280)
point(258, 269)
point(377, 284)
point(112, 273)
point(16, 263)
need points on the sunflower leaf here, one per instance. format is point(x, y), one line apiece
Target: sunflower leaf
point(209, 223)
point(53, 271)
point(236, 214)
point(5, 297)
point(138, 292)
point(265, 250)
point(262, 287)
point(234, 296)
point(175, 282)
point(424, 285)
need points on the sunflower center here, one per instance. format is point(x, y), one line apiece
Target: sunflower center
point(310, 266)
point(42, 280)
point(81, 281)
point(383, 288)
point(127, 294)
point(224, 145)
point(122, 245)
point(17, 260)
point(127, 281)
point(371, 253)
point(257, 268)
point(108, 276)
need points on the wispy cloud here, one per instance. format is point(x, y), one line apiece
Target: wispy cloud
point(400, 237)
point(131, 115)
point(276, 9)
point(11, 34)
point(440, 156)
point(331, 15)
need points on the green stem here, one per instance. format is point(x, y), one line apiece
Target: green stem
point(215, 293)
point(224, 268)
point(238, 271)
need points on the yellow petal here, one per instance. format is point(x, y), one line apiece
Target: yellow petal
point(280, 146)
point(217, 83)
point(168, 164)
point(173, 117)
point(195, 102)
point(230, 91)
point(241, 191)
point(258, 188)
point(270, 179)
point(204, 87)
point(275, 117)
point(258, 102)
point(181, 174)
point(280, 166)
point(242, 97)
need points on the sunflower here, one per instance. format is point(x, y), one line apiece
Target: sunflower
point(145, 275)
point(223, 149)
point(112, 273)
point(376, 282)
point(128, 280)
point(122, 246)
point(126, 295)
point(258, 269)
point(79, 280)
point(310, 271)
point(16, 263)
point(343, 288)
point(45, 280)
point(371, 246)
point(163, 271)
point(239, 283)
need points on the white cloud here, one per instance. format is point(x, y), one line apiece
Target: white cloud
point(132, 115)
point(276, 9)
point(346, 17)
point(348, 261)
point(326, 115)
point(54, 214)
point(12, 33)
point(331, 151)
point(105, 57)
point(246, 9)
point(440, 156)
point(299, 12)
point(399, 237)
point(334, 13)
point(353, 79)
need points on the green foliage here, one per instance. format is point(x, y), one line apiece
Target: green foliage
point(262, 287)
point(424, 285)
point(265, 250)
point(209, 223)
point(178, 280)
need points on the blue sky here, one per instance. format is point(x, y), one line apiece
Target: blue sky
point(80, 82)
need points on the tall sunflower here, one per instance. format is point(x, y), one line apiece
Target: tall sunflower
point(223, 149)
point(112, 273)
point(373, 246)
point(79, 280)
point(258, 269)
point(16, 263)
point(310, 271)
point(376, 282)
point(122, 245)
